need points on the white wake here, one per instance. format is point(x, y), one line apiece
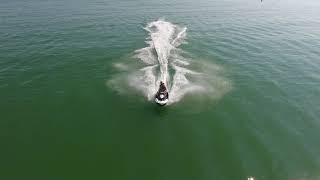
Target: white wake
point(163, 60)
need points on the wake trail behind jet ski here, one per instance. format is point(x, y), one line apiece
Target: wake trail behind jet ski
point(166, 75)
point(164, 38)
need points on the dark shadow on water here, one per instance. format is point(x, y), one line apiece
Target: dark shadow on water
point(156, 110)
point(161, 110)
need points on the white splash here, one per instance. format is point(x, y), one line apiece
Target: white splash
point(163, 61)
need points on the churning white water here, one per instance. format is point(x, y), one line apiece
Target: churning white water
point(163, 60)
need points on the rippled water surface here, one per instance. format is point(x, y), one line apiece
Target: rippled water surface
point(77, 80)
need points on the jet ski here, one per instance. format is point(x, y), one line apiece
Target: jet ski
point(162, 95)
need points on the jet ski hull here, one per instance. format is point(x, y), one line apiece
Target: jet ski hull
point(162, 96)
point(161, 102)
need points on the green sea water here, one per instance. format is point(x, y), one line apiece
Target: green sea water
point(74, 99)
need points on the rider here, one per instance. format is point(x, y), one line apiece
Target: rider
point(162, 87)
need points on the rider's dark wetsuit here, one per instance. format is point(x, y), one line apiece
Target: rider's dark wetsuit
point(162, 90)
